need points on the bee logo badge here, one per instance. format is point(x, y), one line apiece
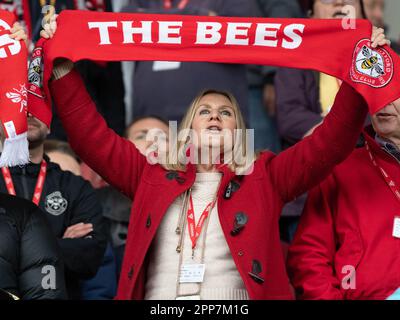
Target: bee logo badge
point(373, 67)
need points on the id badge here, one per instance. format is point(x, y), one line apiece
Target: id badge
point(396, 227)
point(194, 297)
point(192, 273)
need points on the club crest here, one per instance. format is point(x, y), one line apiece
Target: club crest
point(373, 67)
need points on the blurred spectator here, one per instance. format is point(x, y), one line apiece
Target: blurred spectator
point(116, 206)
point(60, 152)
point(375, 11)
point(28, 253)
point(262, 106)
point(138, 130)
point(70, 204)
point(154, 90)
point(89, 175)
point(347, 243)
point(303, 98)
point(103, 285)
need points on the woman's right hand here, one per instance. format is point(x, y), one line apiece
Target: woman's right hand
point(50, 27)
point(62, 66)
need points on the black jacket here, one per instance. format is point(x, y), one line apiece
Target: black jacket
point(28, 252)
point(66, 200)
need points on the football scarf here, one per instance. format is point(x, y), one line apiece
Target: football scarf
point(13, 95)
point(21, 10)
point(329, 46)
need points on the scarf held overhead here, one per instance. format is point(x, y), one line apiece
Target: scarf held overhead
point(13, 95)
point(323, 45)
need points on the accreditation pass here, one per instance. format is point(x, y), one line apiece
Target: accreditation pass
point(192, 273)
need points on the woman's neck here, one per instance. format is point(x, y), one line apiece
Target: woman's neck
point(204, 168)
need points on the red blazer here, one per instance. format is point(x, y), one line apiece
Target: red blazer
point(260, 195)
point(348, 221)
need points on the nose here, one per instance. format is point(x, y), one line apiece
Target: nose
point(339, 3)
point(214, 115)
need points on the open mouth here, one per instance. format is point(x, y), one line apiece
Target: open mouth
point(214, 129)
point(339, 14)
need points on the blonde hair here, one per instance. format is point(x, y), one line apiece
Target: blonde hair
point(240, 138)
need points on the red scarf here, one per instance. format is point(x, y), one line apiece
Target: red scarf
point(322, 45)
point(21, 10)
point(13, 95)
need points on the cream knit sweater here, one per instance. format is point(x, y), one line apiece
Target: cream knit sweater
point(221, 280)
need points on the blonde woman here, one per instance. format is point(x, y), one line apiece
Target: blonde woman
point(199, 229)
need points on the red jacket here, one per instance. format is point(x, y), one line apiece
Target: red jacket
point(261, 195)
point(348, 221)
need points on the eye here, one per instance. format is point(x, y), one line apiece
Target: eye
point(226, 113)
point(204, 111)
point(141, 136)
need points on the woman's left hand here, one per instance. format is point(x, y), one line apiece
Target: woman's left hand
point(18, 32)
point(378, 38)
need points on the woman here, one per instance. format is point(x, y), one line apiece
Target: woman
point(234, 252)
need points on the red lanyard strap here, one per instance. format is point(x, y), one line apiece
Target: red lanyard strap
point(389, 181)
point(39, 183)
point(195, 230)
point(181, 5)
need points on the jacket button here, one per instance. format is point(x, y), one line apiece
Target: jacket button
point(228, 192)
point(240, 253)
point(255, 272)
point(240, 221)
point(148, 222)
point(230, 189)
point(130, 273)
point(171, 175)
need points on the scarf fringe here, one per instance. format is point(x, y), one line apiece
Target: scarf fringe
point(15, 151)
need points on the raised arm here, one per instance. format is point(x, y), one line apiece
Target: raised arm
point(116, 159)
point(307, 163)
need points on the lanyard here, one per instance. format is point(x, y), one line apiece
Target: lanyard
point(181, 5)
point(39, 184)
point(389, 181)
point(195, 230)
